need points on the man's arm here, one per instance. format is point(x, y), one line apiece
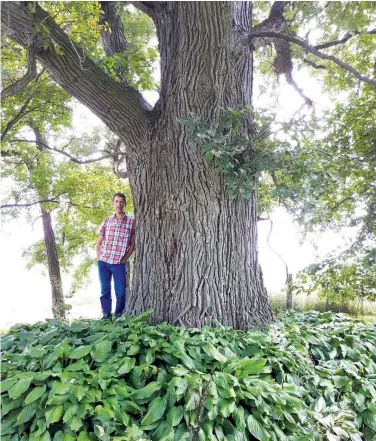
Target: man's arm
point(129, 250)
point(98, 245)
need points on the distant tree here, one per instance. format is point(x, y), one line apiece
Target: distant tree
point(74, 194)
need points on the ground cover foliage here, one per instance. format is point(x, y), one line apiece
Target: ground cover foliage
point(309, 376)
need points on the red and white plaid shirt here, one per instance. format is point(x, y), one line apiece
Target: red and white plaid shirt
point(117, 238)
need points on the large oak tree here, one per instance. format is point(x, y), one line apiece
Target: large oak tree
point(196, 246)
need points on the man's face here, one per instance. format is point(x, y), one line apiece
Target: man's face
point(119, 204)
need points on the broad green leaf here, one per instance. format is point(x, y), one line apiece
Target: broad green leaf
point(54, 414)
point(250, 367)
point(7, 384)
point(103, 414)
point(27, 413)
point(70, 411)
point(79, 365)
point(213, 352)
point(256, 429)
point(19, 388)
point(226, 407)
point(145, 392)
point(101, 351)
point(57, 399)
point(83, 436)
point(133, 349)
point(61, 388)
point(7, 405)
point(36, 393)
point(80, 352)
point(63, 349)
point(155, 411)
point(37, 352)
point(175, 415)
point(369, 419)
point(320, 405)
point(180, 384)
point(127, 365)
point(130, 407)
point(75, 423)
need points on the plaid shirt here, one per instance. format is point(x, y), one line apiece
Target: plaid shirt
point(117, 238)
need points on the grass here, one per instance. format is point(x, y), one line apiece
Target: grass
point(313, 303)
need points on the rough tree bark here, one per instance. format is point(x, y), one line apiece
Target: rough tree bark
point(197, 260)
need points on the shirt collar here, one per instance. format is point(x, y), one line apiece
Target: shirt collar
point(124, 216)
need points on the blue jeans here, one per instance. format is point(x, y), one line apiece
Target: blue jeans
point(119, 272)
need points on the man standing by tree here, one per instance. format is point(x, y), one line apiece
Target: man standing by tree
point(114, 247)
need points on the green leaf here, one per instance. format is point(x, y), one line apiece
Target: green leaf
point(226, 407)
point(127, 365)
point(83, 436)
point(250, 367)
point(320, 405)
point(146, 392)
point(7, 405)
point(27, 413)
point(213, 352)
point(155, 411)
point(54, 414)
point(180, 384)
point(63, 349)
point(103, 414)
point(57, 399)
point(130, 407)
point(7, 384)
point(19, 388)
point(133, 349)
point(37, 352)
point(101, 351)
point(256, 429)
point(369, 419)
point(79, 365)
point(75, 423)
point(80, 352)
point(175, 415)
point(36, 393)
point(61, 388)
point(70, 411)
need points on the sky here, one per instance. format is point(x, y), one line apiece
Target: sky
point(25, 294)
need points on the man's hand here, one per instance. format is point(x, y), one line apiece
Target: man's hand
point(98, 245)
point(124, 259)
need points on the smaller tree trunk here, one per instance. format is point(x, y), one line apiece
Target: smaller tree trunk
point(289, 291)
point(58, 304)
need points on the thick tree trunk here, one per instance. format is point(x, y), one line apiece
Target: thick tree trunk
point(197, 259)
point(58, 304)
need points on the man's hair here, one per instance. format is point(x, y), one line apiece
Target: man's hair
point(120, 195)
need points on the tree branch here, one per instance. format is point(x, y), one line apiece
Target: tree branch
point(44, 201)
point(16, 118)
point(122, 109)
point(145, 7)
point(283, 64)
point(312, 50)
point(31, 73)
point(342, 40)
point(313, 64)
point(72, 158)
point(275, 252)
